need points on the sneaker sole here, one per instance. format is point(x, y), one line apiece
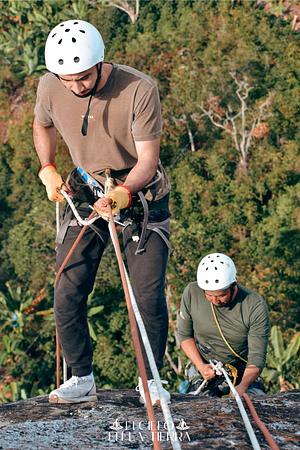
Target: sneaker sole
point(87, 398)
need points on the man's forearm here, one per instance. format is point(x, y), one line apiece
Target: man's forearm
point(145, 169)
point(45, 142)
point(140, 175)
point(249, 376)
point(190, 349)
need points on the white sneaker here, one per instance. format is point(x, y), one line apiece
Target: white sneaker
point(155, 400)
point(75, 390)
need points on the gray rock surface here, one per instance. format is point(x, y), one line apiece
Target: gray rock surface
point(118, 421)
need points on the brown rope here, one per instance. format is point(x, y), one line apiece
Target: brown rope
point(260, 423)
point(65, 262)
point(134, 332)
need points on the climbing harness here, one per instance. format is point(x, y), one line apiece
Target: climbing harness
point(220, 370)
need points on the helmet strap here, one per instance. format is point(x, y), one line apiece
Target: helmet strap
point(232, 289)
point(85, 122)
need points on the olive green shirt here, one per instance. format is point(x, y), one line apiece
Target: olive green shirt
point(244, 323)
point(126, 110)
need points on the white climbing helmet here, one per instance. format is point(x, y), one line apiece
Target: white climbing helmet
point(216, 271)
point(72, 47)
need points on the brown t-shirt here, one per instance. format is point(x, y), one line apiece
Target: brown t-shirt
point(127, 109)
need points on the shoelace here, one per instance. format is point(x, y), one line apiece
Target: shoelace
point(71, 382)
point(74, 381)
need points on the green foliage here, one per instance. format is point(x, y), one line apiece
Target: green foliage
point(25, 26)
point(26, 368)
point(189, 48)
point(282, 371)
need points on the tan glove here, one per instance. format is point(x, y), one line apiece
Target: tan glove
point(121, 198)
point(118, 198)
point(53, 183)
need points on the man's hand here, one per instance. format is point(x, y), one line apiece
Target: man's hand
point(241, 389)
point(249, 376)
point(53, 183)
point(206, 371)
point(118, 198)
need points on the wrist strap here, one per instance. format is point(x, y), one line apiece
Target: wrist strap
point(129, 194)
point(47, 165)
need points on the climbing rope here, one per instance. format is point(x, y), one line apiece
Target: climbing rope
point(260, 423)
point(218, 367)
point(223, 337)
point(137, 319)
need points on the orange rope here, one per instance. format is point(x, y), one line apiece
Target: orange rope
point(260, 423)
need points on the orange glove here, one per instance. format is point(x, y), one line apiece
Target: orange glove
point(52, 181)
point(119, 198)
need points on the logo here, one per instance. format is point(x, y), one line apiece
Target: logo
point(116, 425)
point(182, 425)
point(144, 431)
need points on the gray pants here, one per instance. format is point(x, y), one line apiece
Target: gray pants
point(147, 273)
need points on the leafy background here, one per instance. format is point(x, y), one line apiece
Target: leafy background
point(199, 52)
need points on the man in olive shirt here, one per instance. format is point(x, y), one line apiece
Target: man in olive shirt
point(216, 305)
point(109, 117)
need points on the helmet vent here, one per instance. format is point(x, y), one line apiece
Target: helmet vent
point(221, 262)
point(60, 61)
point(54, 34)
point(206, 268)
point(67, 29)
point(62, 24)
point(216, 268)
point(206, 281)
point(216, 281)
point(82, 31)
point(60, 41)
point(75, 23)
point(73, 39)
point(76, 59)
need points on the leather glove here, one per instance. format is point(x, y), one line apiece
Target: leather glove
point(53, 182)
point(119, 198)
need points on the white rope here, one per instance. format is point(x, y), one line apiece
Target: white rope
point(199, 389)
point(218, 367)
point(75, 212)
point(77, 215)
point(164, 404)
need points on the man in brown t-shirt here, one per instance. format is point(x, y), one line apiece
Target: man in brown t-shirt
point(109, 117)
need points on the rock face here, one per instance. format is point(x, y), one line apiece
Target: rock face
point(118, 421)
